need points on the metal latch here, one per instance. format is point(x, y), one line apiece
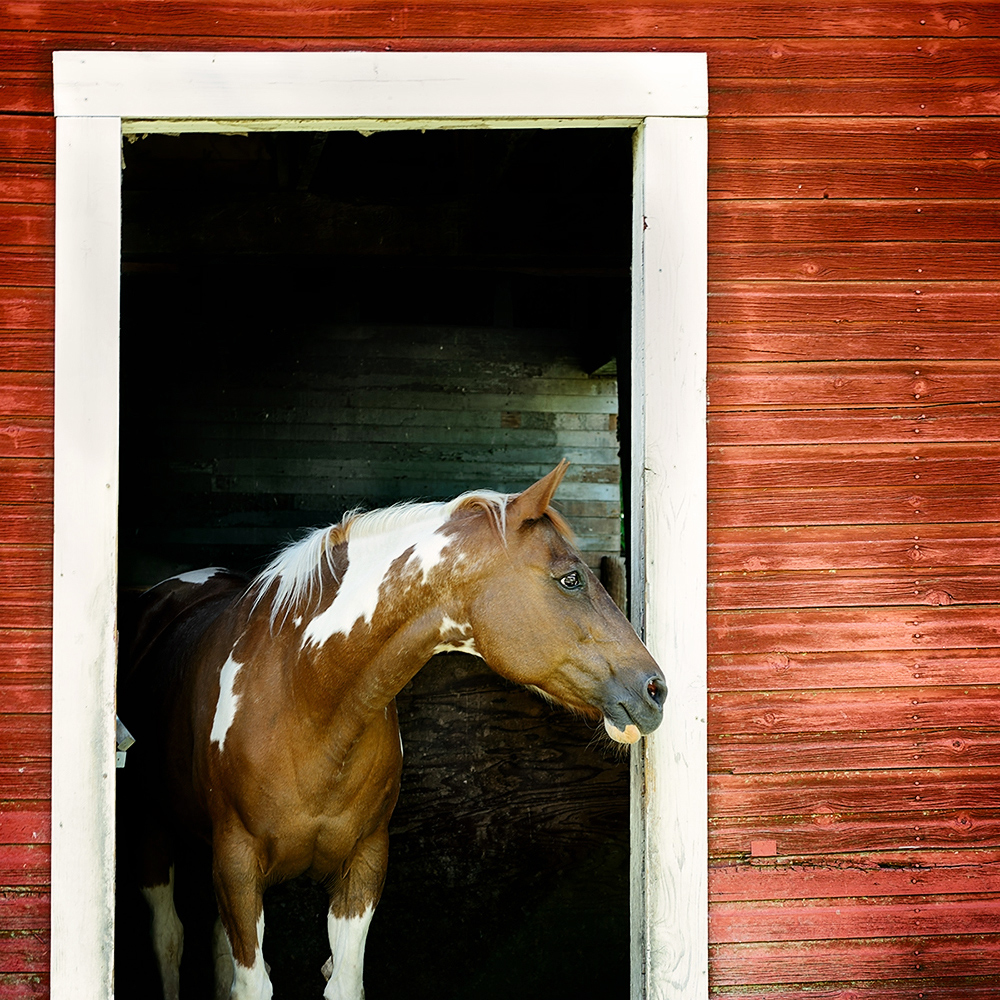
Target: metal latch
point(124, 739)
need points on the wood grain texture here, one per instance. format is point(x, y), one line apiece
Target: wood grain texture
point(941, 423)
point(840, 261)
point(839, 177)
point(879, 669)
point(900, 547)
point(919, 465)
point(867, 748)
point(850, 919)
point(818, 794)
point(831, 588)
point(904, 874)
point(852, 383)
point(825, 96)
point(844, 710)
point(803, 505)
point(552, 20)
point(837, 139)
point(821, 339)
point(900, 958)
point(848, 833)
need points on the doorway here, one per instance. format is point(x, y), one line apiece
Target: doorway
point(313, 322)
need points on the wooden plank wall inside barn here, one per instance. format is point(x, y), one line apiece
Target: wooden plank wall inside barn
point(854, 380)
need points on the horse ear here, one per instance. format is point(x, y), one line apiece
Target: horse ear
point(534, 501)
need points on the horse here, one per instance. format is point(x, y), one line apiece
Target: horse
point(269, 708)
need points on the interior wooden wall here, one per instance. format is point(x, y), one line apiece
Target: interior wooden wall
point(854, 384)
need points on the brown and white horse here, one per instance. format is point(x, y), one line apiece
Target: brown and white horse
point(270, 710)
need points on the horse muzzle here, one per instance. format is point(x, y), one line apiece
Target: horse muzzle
point(631, 712)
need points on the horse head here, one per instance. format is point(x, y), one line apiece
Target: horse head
point(540, 617)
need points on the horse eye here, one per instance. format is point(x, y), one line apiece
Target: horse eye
point(572, 581)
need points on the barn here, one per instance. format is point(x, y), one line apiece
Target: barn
point(262, 262)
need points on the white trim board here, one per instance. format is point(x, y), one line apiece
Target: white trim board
point(99, 96)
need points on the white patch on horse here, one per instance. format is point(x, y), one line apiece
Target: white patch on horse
point(253, 983)
point(197, 576)
point(369, 557)
point(298, 575)
point(168, 934)
point(347, 947)
point(225, 707)
point(450, 643)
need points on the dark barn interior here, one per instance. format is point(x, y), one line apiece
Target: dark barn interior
point(313, 322)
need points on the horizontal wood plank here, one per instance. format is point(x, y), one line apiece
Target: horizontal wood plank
point(845, 833)
point(755, 753)
point(851, 589)
point(24, 909)
point(25, 480)
point(839, 139)
point(244, 19)
point(853, 383)
point(829, 340)
point(920, 465)
point(24, 692)
point(796, 177)
point(825, 96)
point(25, 436)
point(829, 548)
point(957, 987)
point(27, 308)
point(28, 183)
point(818, 794)
point(806, 505)
point(26, 649)
point(25, 822)
point(907, 874)
point(876, 669)
point(28, 138)
point(818, 711)
point(897, 302)
point(840, 261)
point(947, 423)
point(852, 919)
point(25, 865)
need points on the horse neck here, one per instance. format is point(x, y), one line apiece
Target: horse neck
point(378, 630)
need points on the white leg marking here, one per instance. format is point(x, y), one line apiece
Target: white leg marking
point(252, 983)
point(168, 935)
point(225, 707)
point(224, 964)
point(347, 943)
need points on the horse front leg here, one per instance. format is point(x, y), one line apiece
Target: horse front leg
point(235, 870)
point(353, 896)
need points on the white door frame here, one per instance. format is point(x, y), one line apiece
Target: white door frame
point(99, 96)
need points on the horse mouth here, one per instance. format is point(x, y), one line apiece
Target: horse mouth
point(630, 734)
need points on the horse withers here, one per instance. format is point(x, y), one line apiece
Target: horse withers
point(269, 709)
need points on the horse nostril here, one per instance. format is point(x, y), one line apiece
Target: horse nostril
point(656, 690)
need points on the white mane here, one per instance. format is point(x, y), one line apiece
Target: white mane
point(299, 569)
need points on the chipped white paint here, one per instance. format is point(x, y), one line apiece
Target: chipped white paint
point(369, 557)
point(225, 707)
point(168, 934)
point(347, 947)
point(252, 983)
point(225, 964)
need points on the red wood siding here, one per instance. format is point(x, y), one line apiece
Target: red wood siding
point(854, 384)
